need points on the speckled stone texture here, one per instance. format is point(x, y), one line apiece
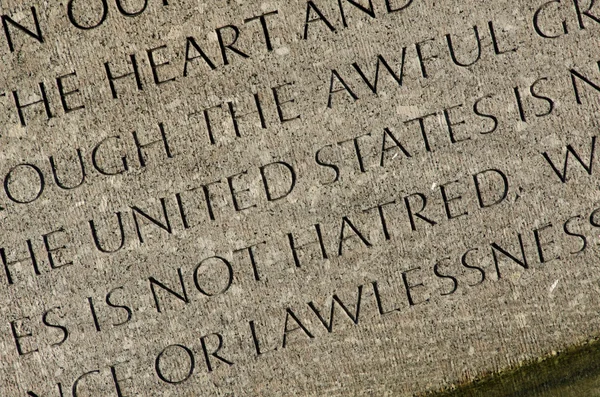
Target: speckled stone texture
point(293, 198)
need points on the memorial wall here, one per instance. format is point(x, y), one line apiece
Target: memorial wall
point(294, 198)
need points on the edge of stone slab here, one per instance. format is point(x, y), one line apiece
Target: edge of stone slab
point(577, 364)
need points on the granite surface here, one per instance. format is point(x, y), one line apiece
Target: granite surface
point(303, 198)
